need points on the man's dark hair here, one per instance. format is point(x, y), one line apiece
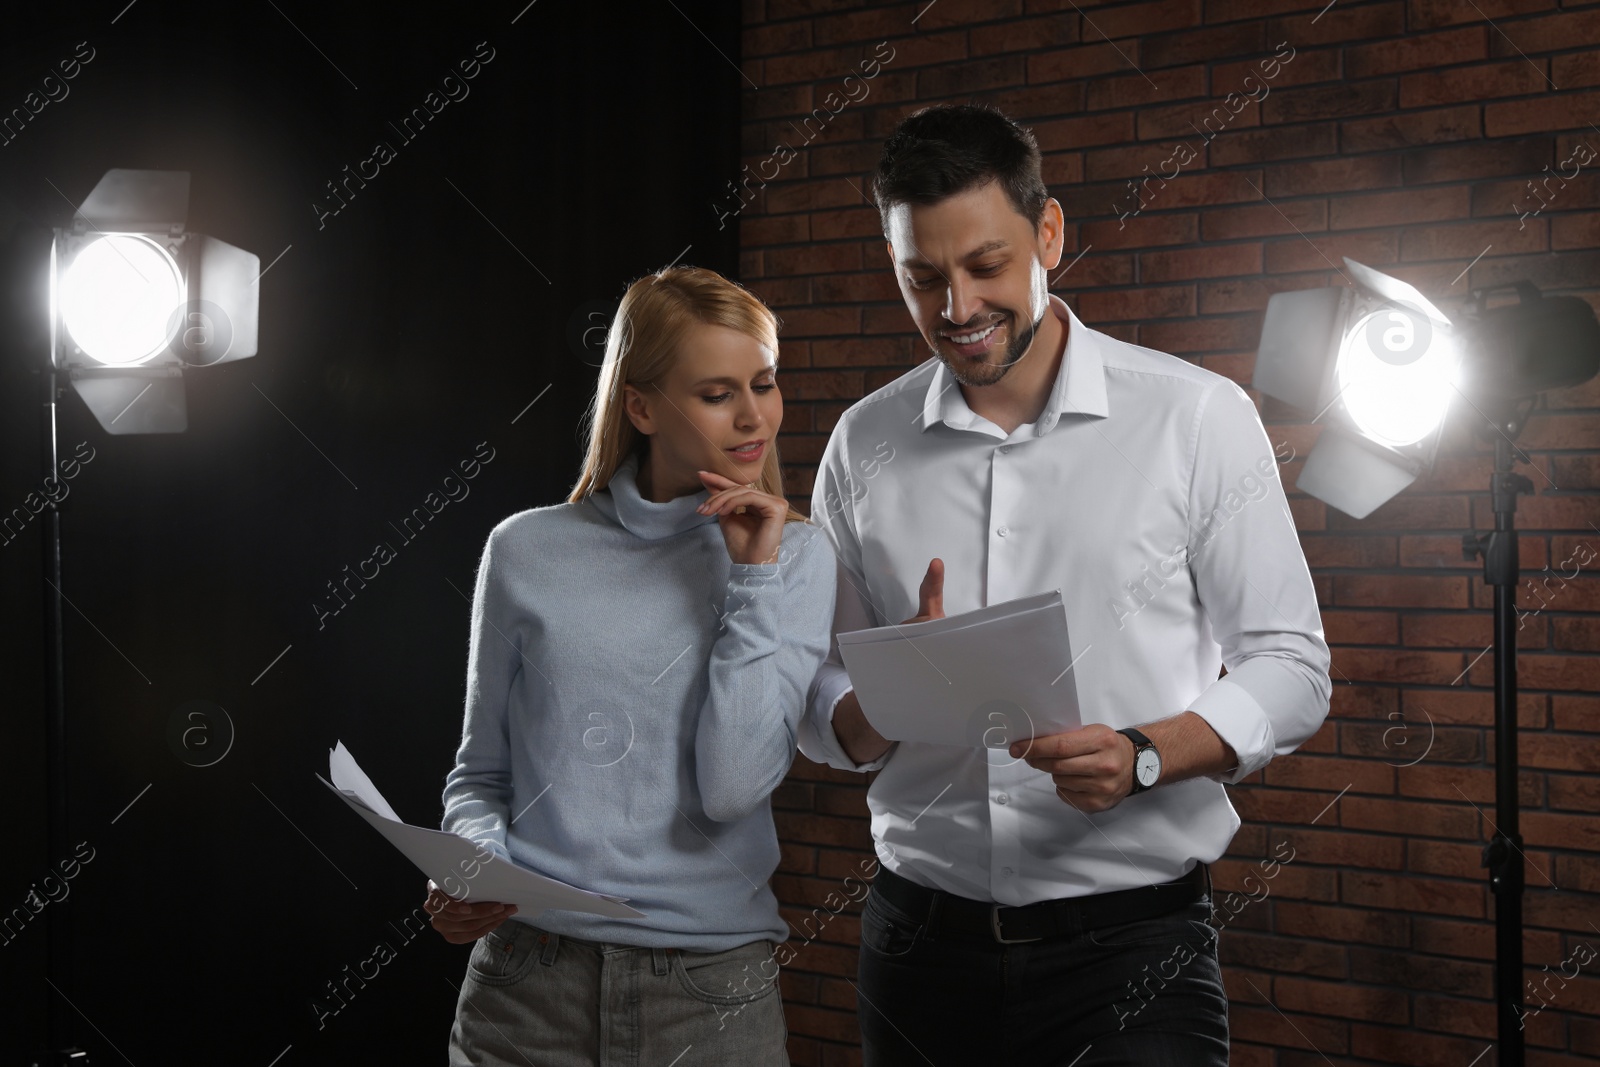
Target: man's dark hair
point(940, 151)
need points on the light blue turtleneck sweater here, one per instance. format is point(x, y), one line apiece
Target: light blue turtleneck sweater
point(632, 700)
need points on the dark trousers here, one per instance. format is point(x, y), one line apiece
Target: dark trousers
point(1141, 994)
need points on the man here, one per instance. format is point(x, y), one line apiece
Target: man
point(1046, 903)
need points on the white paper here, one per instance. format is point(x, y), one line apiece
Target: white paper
point(981, 679)
point(458, 866)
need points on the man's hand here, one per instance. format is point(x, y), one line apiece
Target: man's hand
point(856, 736)
point(1092, 766)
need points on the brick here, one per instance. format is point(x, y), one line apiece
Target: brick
point(772, 40)
point(1062, 168)
point(1210, 262)
point(1088, 60)
point(1339, 923)
point(845, 222)
point(1142, 19)
point(1159, 50)
point(1465, 240)
point(1412, 128)
point(1350, 551)
point(1575, 71)
point(1407, 971)
point(1359, 627)
point(1094, 270)
point(1559, 111)
point(1303, 68)
point(1073, 133)
point(1411, 1046)
point(1142, 231)
point(1341, 23)
point(1028, 35)
point(1425, 14)
point(1233, 10)
point(1141, 159)
point(1471, 632)
point(1234, 147)
point(1178, 83)
point(1398, 208)
point(1239, 948)
point(820, 322)
point(1332, 176)
point(1552, 33)
point(955, 79)
point(814, 259)
point(1252, 294)
point(1417, 52)
point(862, 352)
point(962, 12)
point(1342, 848)
point(1412, 818)
point(1219, 333)
point(1483, 81)
point(1282, 1031)
point(1341, 999)
point(1132, 305)
point(1475, 161)
point(1325, 102)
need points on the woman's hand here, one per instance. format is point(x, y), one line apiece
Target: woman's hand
point(751, 521)
point(459, 922)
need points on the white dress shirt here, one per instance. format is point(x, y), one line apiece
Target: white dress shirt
point(1147, 492)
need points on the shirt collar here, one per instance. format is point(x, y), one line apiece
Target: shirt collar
point(620, 502)
point(1080, 385)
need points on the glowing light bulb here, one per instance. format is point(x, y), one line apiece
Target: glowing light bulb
point(118, 297)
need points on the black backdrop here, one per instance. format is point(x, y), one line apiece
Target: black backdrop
point(403, 335)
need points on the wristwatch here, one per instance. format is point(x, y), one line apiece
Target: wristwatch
point(1146, 761)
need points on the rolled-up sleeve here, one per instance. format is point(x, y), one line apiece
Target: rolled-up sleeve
point(1251, 577)
point(832, 508)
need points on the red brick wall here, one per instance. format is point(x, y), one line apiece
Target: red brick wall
point(1402, 134)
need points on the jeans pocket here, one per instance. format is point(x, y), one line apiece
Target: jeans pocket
point(740, 975)
point(504, 955)
point(887, 930)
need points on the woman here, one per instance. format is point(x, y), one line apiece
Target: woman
point(639, 661)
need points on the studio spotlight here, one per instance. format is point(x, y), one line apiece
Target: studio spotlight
point(135, 299)
point(1380, 362)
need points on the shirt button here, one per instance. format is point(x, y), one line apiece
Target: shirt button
point(1004, 449)
point(1002, 531)
point(1001, 798)
point(1007, 870)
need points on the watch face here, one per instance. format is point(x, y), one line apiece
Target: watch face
point(1147, 765)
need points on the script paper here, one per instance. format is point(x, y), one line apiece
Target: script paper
point(981, 679)
point(458, 866)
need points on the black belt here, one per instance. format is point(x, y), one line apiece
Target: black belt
point(949, 915)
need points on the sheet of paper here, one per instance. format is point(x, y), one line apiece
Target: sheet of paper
point(981, 679)
point(459, 866)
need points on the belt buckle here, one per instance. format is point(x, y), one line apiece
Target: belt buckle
point(994, 925)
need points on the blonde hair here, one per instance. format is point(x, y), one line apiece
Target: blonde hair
point(642, 348)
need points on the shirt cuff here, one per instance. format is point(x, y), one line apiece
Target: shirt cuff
point(833, 687)
point(1230, 710)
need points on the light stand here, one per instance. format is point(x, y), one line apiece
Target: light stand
point(1510, 355)
point(1503, 854)
point(57, 933)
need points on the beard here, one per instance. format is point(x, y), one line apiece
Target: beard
point(970, 372)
